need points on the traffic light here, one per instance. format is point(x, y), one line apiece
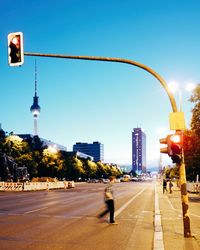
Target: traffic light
point(15, 49)
point(176, 146)
point(167, 141)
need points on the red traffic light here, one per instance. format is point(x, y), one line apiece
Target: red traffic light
point(176, 147)
point(176, 138)
point(15, 49)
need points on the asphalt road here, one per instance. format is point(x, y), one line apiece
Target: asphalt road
point(66, 219)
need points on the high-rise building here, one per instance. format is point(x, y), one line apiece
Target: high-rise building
point(138, 151)
point(95, 149)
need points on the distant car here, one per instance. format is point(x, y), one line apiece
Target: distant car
point(105, 181)
point(92, 181)
point(134, 179)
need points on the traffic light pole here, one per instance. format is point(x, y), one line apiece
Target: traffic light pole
point(184, 194)
point(119, 60)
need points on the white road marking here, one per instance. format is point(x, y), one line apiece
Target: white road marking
point(121, 209)
point(32, 211)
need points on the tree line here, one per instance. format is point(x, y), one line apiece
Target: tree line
point(41, 161)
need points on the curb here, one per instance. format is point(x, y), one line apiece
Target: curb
point(158, 243)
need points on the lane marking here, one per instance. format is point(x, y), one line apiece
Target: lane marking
point(195, 215)
point(32, 211)
point(170, 204)
point(128, 203)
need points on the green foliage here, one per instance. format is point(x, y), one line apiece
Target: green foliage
point(195, 123)
point(14, 146)
point(192, 139)
point(43, 161)
point(192, 154)
point(90, 169)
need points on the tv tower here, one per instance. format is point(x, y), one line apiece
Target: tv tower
point(35, 108)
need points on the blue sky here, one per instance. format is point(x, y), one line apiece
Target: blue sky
point(86, 101)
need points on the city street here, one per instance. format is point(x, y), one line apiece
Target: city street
point(66, 219)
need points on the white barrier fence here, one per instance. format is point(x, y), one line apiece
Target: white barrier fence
point(193, 187)
point(33, 186)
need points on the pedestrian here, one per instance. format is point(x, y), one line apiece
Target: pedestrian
point(164, 186)
point(109, 200)
point(47, 184)
point(170, 186)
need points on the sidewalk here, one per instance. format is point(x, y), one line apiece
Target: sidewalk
point(172, 221)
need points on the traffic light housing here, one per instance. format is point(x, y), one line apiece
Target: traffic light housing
point(166, 150)
point(15, 49)
point(174, 143)
point(176, 147)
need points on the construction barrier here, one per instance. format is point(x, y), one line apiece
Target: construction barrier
point(33, 186)
point(11, 186)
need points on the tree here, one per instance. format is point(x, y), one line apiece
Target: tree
point(195, 123)
point(192, 139)
point(73, 168)
point(90, 168)
point(191, 154)
point(14, 146)
point(101, 171)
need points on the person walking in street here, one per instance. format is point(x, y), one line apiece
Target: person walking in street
point(109, 200)
point(170, 186)
point(164, 186)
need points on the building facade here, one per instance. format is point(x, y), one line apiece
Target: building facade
point(138, 151)
point(95, 149)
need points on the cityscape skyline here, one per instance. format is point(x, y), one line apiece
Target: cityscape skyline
point(98, 101)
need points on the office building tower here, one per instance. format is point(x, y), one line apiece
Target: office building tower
point(95, 149)
point(138, 151)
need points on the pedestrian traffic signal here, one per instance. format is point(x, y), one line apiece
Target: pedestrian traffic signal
point(15, 49)
point(176, 147)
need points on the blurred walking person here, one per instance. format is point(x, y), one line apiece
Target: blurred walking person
point(170, 186)
point(109, 200)
point(164, 186)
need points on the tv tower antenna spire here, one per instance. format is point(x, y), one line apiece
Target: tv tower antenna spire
point(35, 108)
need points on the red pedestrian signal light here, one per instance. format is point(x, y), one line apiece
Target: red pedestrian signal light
point(15, 49)
point(176, 147)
